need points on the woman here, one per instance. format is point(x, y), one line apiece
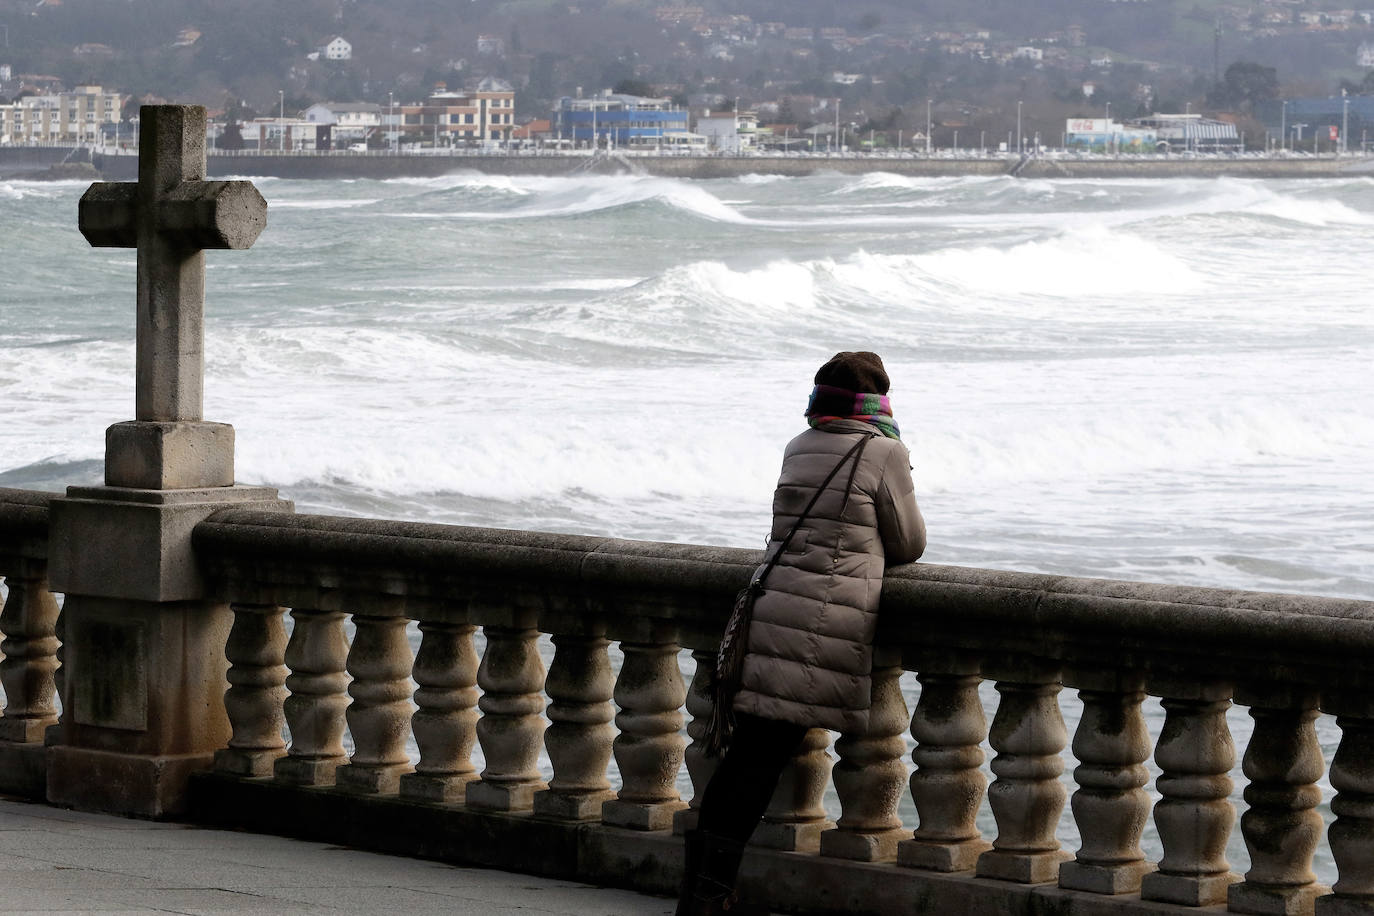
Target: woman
point(810, 646)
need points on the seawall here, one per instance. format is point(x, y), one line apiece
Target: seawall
point(382, 166)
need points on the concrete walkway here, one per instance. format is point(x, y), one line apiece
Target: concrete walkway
point(56, 861)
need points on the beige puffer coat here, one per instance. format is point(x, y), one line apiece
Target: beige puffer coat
point(810, 648)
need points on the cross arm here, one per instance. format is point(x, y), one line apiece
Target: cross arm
point(108, 214)
point(213, 214)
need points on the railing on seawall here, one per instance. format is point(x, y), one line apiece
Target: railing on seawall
point(353, 705)
point(28, 641)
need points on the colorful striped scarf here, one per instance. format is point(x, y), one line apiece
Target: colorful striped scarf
point(828, 404)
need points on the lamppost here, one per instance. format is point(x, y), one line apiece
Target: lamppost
point(1283, 124)
point(391, 119)
point(927, 127)
point(1019, 145)
point(1345, 122)
point(1109, 111)
point(281, 116)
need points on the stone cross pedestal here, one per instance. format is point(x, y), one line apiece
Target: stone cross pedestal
point(144, 664)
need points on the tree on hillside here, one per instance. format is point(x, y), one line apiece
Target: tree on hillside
point(1244, 85)
point(634, 87)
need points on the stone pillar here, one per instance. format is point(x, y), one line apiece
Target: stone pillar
point(871, 775)
point(379, 662)
point(795, 817)
point(1026, 798)
point(143, 692)
point(649, 748)
point(1110, 805)
point(445, 724)
point(28, 663)
point(948, 784)
point(1351, 837)
point(1281, 827)
point(257, 691)
point(145, 669)
point(700, 767)
point(317, 656)
point(579, 737)
point(510, 730)
point(1194, 817)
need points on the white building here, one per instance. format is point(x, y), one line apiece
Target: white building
point(731, 133)
point(338, 49)
point(78, 116)
point(1026, 52)
point(1364, 55)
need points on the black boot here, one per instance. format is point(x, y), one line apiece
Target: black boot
point(708, 884)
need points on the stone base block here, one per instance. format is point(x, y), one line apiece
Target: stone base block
point(23, 770)
point(1103, 879)
point(154, 455)
point(430, 788)
point(127, 784)
point(502, 796)
point(370, 780)
point(307, 771)
point(685, 820)
point(1021, 867)
point(941, 857)
point(143, 539)
point(880, 846)
point(1188, 890)
point(582, 806)
point(1334, 905)
point(797, 836)
point(638, 816)
point(1277, 901)
point(24, 731)
point(238, 762)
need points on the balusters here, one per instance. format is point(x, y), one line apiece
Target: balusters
point(1110, 805)
point(1026, 798)
point(257, 689)
point(870, 775)
point(316, 655)
point(795, 817)
point(28, 655)
point(379, 716)
point(445, 724)
point(1283, 762)
point(580, 686)
point(700, 702)
point(1193, 816)
point(648, 749)
point(510, 730)
point(1351, 837)
point(948, 784)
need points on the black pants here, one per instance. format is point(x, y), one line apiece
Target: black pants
point(743, 784)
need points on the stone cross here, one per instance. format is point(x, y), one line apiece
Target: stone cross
point(171, 214)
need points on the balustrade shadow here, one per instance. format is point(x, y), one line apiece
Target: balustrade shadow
point(956, 630)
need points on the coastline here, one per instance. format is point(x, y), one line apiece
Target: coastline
point(28, 163)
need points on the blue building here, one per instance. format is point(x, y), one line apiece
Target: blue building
point(621, 120)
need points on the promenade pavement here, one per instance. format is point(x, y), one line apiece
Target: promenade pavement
point(57, 861)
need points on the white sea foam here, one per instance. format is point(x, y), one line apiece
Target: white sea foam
point(322, 204)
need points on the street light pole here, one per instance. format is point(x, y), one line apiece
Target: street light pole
point(391, 119)
point(927, 127)
point(1345, 123)
point(1020, 151)
point(281, 116)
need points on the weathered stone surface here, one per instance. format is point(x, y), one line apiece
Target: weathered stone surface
point(169, 456)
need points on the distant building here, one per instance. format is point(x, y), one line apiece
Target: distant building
point(1364, 55)
point(338, 49)
point(341, 124)
point(621, 120)
point(484, 115)
point(1026, 52)
point(1103, 135)
point(1190, 131)
point(730, 133)
point(79, 116)
point(491, 44)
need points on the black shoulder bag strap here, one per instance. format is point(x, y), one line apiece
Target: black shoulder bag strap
point(856, 452)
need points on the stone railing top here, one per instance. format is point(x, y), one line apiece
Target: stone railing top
point(23, 524)
point(929, 611)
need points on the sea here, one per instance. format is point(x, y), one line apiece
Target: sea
point(1161, 380)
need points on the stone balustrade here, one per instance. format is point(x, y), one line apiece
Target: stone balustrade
point(354, 697)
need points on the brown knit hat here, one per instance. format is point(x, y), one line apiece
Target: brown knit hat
point(854, 370)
